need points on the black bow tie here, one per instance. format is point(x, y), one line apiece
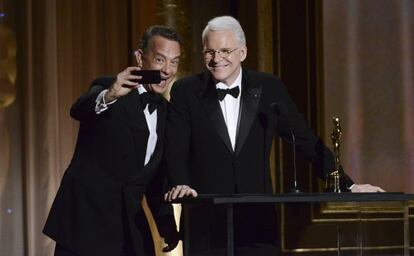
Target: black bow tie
point(151, 99)
point(221, 93)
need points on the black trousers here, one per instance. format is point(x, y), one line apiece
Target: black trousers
point(61, 251)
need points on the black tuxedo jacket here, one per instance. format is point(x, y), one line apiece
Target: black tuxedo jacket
point(199, 151)
point(97, 208)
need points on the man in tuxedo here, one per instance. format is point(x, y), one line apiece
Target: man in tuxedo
point(116, 161)
point(219, 132)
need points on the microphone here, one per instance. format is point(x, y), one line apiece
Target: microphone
point(280, 109)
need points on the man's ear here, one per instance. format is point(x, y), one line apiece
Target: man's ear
point(138, 56)
point(243, 53)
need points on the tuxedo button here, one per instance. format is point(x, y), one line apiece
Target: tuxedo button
point(235, 163)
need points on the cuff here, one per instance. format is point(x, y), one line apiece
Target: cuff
point(101, 105)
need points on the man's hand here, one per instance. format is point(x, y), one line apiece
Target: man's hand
point(122, 85)
point(365, 188)
point(179, 192)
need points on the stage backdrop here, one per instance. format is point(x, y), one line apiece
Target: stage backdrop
point(368, 81)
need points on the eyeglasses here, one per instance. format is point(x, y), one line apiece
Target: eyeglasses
point(223, 53)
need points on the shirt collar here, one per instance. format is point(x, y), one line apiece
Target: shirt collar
point(141, 89)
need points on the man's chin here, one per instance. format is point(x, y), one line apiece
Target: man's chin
point(219, 77)
point(219, 74)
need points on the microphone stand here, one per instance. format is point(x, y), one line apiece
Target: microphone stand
point(295, 188)
point(280, 110)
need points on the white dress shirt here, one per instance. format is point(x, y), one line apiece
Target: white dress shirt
point(151, 119)
point(230, 108)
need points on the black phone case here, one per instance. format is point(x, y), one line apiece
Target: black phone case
point(148, 76)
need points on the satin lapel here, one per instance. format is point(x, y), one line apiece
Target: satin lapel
point(161, 119)
point(134, 110)
point(250, 98)
point(212, 107)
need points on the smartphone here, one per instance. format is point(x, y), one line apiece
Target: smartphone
point(148, 76)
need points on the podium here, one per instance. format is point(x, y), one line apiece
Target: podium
point(228, 201)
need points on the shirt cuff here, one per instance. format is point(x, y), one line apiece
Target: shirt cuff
point(101, 105)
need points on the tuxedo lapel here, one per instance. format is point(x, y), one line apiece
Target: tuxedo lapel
point(161, 118)
point(134, 110)
point(250, 98)
point(210, 102)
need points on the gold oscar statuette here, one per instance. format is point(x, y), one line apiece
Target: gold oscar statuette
point(335, 181)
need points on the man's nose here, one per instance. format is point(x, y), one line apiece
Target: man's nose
point(166, 70)
point(216, 57)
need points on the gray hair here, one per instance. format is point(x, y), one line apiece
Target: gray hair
point(226, 23)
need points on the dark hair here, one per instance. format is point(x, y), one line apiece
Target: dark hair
point(158, 30)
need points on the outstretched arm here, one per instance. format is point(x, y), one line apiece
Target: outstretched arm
point(109, 89)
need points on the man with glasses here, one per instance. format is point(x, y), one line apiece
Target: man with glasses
point(97, 210)
point(219, 134)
